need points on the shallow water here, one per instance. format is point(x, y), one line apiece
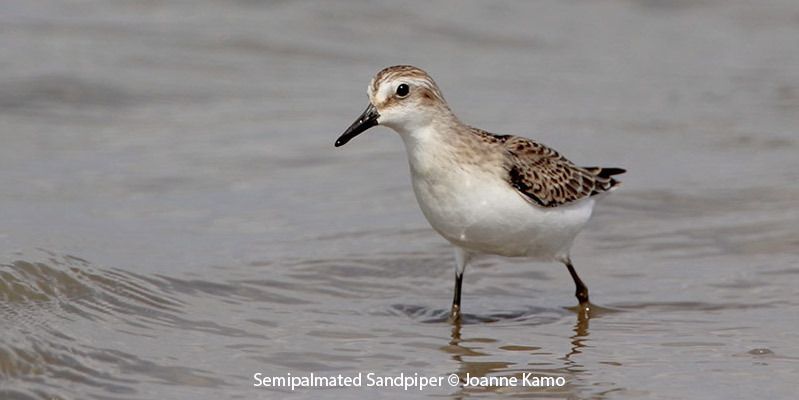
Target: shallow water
point(175, 219)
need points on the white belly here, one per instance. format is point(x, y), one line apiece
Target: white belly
point(481, 213)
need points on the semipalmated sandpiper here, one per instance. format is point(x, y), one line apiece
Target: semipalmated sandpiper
point(484, 193)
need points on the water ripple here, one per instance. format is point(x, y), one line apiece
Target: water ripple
point(53, 311)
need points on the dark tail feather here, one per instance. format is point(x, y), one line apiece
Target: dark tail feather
point(606, 173)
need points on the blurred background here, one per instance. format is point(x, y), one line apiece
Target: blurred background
point(174, 217)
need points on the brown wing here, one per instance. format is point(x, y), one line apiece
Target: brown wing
point(548, 179)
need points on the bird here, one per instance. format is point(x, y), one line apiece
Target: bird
point(483, 192)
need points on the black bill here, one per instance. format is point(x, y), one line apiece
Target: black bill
point(367, 120)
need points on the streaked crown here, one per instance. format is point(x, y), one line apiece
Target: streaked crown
point(406, 96)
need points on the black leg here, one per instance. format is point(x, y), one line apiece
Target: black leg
point(461, 259)
point(455, 314)
point(581, 290)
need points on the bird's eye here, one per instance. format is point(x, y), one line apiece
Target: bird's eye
point(402, 90)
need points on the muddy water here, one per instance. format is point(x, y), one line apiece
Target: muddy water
point(174, 218)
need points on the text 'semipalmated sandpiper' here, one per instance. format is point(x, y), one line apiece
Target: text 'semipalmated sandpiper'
point(485, 193)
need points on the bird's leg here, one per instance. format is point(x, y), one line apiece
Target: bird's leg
point(461, 258)
point(455, 313)
point(581, 290)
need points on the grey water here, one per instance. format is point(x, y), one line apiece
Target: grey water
point(174, 217)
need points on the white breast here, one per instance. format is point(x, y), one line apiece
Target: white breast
point(477, 210)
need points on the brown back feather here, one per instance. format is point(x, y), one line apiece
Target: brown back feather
point(548, 179)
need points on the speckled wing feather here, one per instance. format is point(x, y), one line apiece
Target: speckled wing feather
point(548, 179)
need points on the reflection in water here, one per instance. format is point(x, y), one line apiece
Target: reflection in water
point(463, 350)
point(460, 351)
point(578, 339)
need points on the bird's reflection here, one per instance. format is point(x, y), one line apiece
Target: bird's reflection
point(460, 350)
point(456, 333)
point(580, 335)
point(464, 352)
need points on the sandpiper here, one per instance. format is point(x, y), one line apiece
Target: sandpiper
point(485, 193)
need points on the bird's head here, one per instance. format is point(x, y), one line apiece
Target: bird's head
point(403, 98)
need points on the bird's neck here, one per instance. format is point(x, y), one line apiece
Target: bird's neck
point(429, 135)
point(435, 146)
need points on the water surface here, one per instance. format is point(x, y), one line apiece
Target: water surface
point(174, 218)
